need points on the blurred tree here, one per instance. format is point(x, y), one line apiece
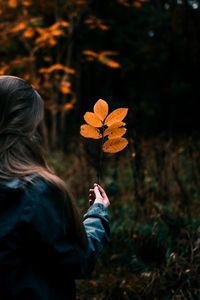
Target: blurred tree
point(144, 53)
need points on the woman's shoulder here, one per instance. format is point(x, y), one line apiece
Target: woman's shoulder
point(31, 183)
point(38, 185)
point(11, 183)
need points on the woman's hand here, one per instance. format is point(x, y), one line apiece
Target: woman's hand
point(98, 195)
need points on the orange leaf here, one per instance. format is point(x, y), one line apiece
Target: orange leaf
point(3, 70)
point(116, 116)
point(103, 27)
point(12, 3)
point(68, 106)
point(90, 132)
point(117, 132)
point(69, 70)
point(64, 23)
point(107, 53)
point(20, 26)
point(65, 87)
point(101, 109)
point(113, 126)
point(57, 32)
point(115, 145)
point(57, 67)
point(113, 64)
point(92, 119)
point(109, 62)
point(137, 4)
point(29, 33)
point(27, 3)
point(91, 53)
point(52, 42)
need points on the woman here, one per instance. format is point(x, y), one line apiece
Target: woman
point(44, 245)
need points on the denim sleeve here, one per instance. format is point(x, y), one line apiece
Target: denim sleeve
point(49, 238)
point(96, 223)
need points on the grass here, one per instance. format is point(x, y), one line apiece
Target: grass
point(155, 224)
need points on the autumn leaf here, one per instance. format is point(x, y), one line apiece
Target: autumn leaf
point(111, 137)
point(112, 140)
point(103, 57)
point(90, 132)
point(3, 69)
point(100, 118)
point(27, 3)
point(90, 53)
point(65, 87)
point(101, 109)
point(137, 4)
point(115, 145)
point(64, 23)
point(117, 132)
point(116, 116)
point(92, 119)
point(109, 62)
point(29, 33)
point(12, 3)
point(68, 106)
point(20, 26)
point(57, 32)
point(103, 27)
point(113, 126)
point(57, 67)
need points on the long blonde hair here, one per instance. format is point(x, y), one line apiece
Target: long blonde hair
point(22, 151)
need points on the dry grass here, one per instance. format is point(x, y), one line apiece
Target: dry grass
point(154, 193)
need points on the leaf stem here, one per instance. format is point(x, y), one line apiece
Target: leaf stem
point(100, 172)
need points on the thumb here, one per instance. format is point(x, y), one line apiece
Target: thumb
point(97, 192)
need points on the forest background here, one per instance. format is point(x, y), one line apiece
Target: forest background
point(144, 55)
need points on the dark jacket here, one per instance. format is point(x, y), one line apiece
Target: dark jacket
point(39, 258)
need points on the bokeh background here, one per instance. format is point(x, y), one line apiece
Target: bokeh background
point(144, 55)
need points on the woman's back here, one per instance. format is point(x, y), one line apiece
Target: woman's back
point(44, 244)
point(39, 256)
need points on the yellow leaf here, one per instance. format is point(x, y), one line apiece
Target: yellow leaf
point(113, 126)
point(90, 132)
point(116, 133)
point(101, 109)
point(115, 145)
point(116, 116)
point(92, 119)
